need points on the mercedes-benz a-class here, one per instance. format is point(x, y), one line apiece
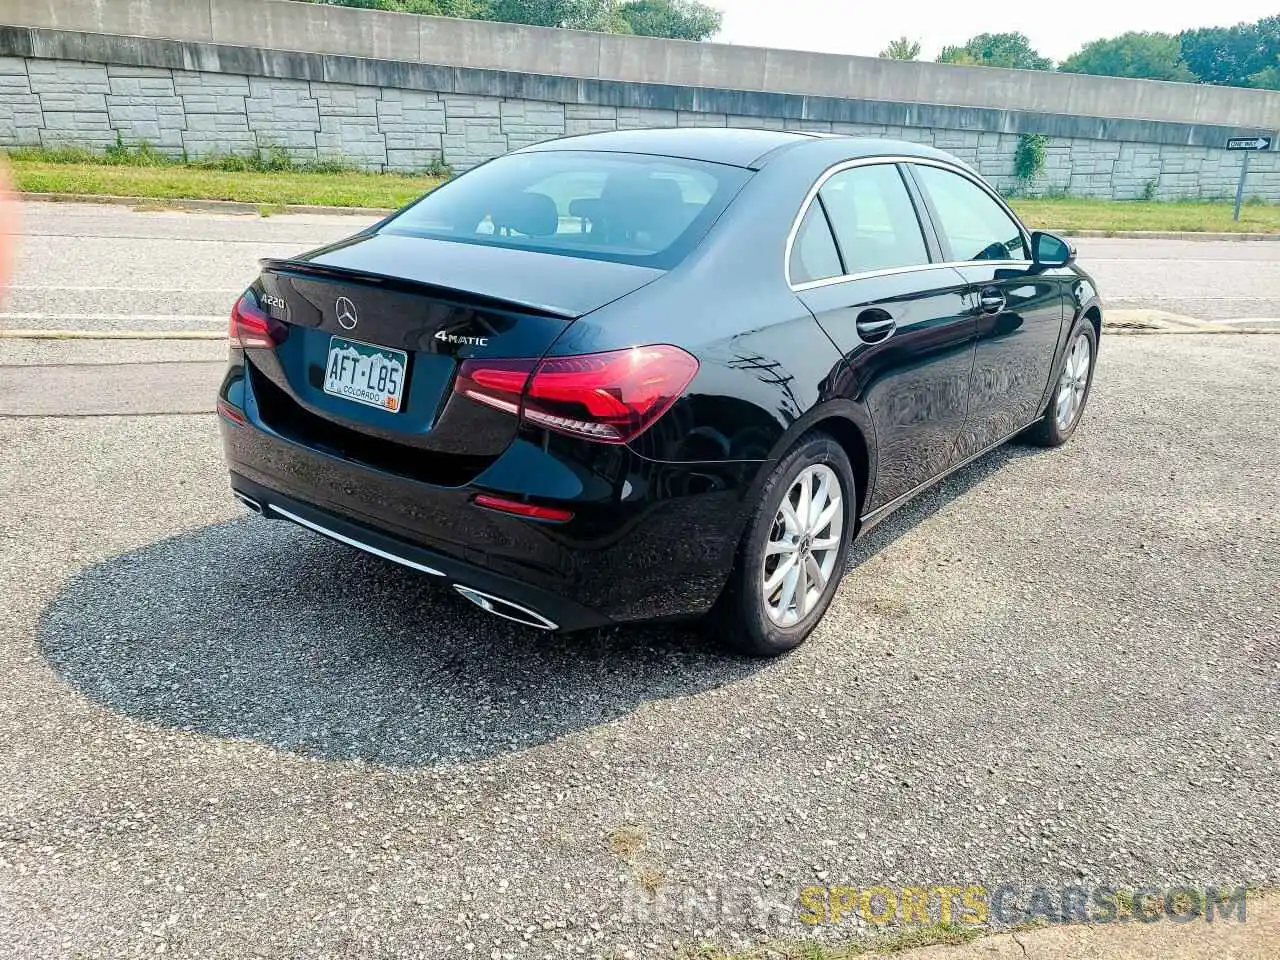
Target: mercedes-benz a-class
point(660, 373)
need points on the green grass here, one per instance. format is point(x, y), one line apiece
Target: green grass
point(270, 189)
point(270, 179)
point(1068, 214)
point(910, 938)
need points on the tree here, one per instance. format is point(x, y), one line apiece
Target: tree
point(901, 49)
point(432, 8)
point(574, 14)
point(677, 19)
point(997, 50)
point(1232, 55)
point(1147, 56)
point(438, 8)
point(1268, 79)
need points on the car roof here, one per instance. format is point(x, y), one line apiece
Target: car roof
point(735, 146)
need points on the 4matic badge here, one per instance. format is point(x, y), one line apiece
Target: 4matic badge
point(468, 341)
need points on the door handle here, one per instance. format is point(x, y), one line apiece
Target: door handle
point(875, 325)
point(991, 300)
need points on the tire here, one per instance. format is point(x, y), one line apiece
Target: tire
point(1050, 430)
point(746, 620)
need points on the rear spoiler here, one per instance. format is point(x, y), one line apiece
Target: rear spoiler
point(469, 298)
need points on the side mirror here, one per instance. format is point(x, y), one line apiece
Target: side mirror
point(1049, 250)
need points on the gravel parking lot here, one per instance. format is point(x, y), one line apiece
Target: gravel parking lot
point(224, 737)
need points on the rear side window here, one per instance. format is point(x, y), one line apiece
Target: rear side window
point(627, 208)
point(874, 219)
point(813, 254)
point(973, 225)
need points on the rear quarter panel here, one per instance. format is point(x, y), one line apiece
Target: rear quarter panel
point(764, 362)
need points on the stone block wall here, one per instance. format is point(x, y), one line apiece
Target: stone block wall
point(191, 112)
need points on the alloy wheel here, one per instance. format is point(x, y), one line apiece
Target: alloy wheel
point(803, 546)
point(1073, 383)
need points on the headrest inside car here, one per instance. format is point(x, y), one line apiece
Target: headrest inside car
point(530, 214)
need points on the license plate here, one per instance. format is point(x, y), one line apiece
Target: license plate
point(366, 374)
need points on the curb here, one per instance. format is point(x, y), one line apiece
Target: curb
point(1129, 320)
point(205, 206)
point(239, 206)
point(1165, 235)
point(1141, 332)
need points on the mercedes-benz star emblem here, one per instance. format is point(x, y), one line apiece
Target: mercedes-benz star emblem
point(346, 311)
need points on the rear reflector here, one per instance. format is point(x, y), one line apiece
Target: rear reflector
point(251, 327)
point(521, 509)
point(608, 397)
point(230, 412)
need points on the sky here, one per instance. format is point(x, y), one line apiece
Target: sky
point(1056, 29)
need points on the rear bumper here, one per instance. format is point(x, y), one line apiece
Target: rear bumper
point(545, 610)
point(647, 540)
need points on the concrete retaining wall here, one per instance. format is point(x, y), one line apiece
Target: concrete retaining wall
point(180, 76)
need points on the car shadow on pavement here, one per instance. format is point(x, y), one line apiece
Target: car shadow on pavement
point(256, 629)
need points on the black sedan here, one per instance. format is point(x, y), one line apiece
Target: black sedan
point(654, 374)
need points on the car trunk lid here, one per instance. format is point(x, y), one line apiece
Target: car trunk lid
point(423, 307)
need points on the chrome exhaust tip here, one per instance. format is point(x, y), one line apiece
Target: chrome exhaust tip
point(506, 609)
point(249, 502)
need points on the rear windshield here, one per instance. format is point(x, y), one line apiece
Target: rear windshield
point(623, 207)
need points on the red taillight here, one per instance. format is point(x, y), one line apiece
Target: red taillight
point(251, 327)
point(522, 509)
point(609, 397)
point(498, 383)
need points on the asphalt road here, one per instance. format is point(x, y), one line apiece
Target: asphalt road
point(110, 268)
point(224, 737)
point(1208, 280)
point(88, 267)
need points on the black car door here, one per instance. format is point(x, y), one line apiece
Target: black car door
point(1019, 310)
point(862, 263)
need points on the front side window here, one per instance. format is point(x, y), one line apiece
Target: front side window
point(627, 208)
point(972, 224)
point(874, 219)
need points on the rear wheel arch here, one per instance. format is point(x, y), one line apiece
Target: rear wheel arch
point(846, 423)
point(850, 437)
point(744, 615)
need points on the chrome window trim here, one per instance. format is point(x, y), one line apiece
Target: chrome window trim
point(985, 188)
point(873, 161)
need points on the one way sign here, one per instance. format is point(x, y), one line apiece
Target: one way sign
point(1249, 143)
